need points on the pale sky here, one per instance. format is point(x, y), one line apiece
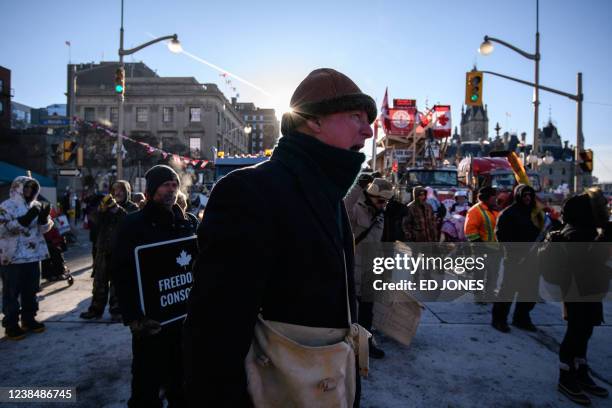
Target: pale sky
point(420, 50)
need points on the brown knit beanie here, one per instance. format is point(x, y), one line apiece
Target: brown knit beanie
point(325, 91)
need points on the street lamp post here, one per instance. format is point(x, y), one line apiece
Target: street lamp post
point(246, 129)
point(486, 48)
point(174, 46)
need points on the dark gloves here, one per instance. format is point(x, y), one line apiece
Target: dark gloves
point(26, 219)
point(364, 180)
point(144, 327)
point(43, 216)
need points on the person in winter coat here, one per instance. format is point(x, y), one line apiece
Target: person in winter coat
point(479, 226)
point(111, 211)
point(587, 272)
point(461, 203)
point(156, 351)
point(276, 240)
point(23, 221)
point(518, 223)
point(54, 268)
point(92, 202)
point(420, 223)
point(366, 215)
point(181, 200)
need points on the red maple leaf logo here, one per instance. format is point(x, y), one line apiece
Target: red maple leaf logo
point(442, 120)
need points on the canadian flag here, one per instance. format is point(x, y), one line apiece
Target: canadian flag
point(441, 121)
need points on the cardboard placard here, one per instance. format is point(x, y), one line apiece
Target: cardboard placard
point(397, 315)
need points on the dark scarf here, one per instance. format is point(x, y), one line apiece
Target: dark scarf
point(337, 168)
point(160, 215)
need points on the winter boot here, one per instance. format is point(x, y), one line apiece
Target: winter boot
point(14, 333)
point(525, 324)
point(501, 326)
point(569, 386)
point(33, 326)
point(584, 380)
point(90, 314)
point(116, 317)
point(375, 352)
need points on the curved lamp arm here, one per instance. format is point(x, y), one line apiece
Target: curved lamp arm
point(140, 47)
point(527, 55)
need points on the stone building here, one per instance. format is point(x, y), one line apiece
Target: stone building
point(265, 127)
point(562, 169)
point(474, 124)
point(179, 115)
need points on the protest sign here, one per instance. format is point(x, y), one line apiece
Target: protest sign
point(164, 274)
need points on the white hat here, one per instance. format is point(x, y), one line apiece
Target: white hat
point(380, 188)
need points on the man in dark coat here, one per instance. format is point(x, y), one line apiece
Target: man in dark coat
point(518, 223)
point(111, 211)
point(156, 351)
point(276, 239)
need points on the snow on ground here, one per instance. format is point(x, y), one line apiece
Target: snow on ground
point(456, 358)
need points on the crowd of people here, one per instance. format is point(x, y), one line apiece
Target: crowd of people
point(292, 324)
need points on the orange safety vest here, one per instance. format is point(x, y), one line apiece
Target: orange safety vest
point(480, 223)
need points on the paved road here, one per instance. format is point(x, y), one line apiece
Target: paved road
point(456, 359)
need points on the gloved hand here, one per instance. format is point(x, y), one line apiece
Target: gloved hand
point(43, 215)
point(145, 327)
point(27, 218)
point(364, 180)
point(107, 202)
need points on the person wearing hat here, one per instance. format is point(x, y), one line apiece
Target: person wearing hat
point(156, 352)
point(479, 226)
point(366, 215)
point(276, 241)
point(111, 211)
point(461, 203)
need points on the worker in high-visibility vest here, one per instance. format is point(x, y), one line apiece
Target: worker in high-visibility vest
point(481, 218)
point(480, 227)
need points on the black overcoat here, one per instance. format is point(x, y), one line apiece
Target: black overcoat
point(271, 242)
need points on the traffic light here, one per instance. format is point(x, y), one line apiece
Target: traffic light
point(586, 160)
point(473, 88)
point(120, 81)
point(69, 151)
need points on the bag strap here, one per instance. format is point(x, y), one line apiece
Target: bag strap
point(365, 233)
point(358, 335)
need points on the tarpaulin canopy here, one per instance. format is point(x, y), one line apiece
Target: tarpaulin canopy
point(9, 172)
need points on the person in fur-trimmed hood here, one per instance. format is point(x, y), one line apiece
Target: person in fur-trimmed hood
point(23, 221)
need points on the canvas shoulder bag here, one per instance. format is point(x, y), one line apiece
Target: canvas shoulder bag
point(291, 365)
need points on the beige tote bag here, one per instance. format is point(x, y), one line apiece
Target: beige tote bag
point(293, 366)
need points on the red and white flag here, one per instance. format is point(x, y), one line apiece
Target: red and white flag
point(441, 121)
